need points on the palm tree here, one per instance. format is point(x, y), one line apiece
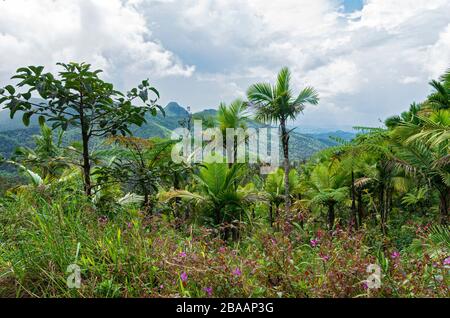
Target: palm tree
point(233, 116)
point(47, 158)
point(276, 104)
point(214, 189)
point(274, 189)
point(327, 188)
point(424, 151)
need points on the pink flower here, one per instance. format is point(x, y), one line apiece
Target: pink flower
point(237, 272)
point(365, 285)
point(103, 220)
point(208, 290)
point(184, 277)
point(447, 261)
point(395, 255)
point(314, 242)
point(325, 258)
point(182, 254)
point(129, 225)
point(222, 249)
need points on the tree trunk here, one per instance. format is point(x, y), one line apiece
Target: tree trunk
point(285, 143)
point(86, 163)
point(444, 196)
point(271, 214)
point(331, 216)
point(382, 209)
point(360, 208)
point(354, 217)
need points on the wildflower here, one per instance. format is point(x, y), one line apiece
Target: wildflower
point(447, 261)
point(208, 290)
point(129, 225)
point(103, 220)
point(314, 242)
point(365, 285)
point(161, 286)
point(222, 249)
point(182, 254)
point(325, 258)
point(184, 277)
point(237, 272)
point(395, 255)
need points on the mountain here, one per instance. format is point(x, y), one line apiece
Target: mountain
point(328, 137)
point(302, 146)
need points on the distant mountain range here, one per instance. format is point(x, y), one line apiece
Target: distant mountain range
point(302, 146)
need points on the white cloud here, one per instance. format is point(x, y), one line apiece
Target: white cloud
point(111, 34)
point(366, 65)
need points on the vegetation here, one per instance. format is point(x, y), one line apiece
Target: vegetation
point(139, 225)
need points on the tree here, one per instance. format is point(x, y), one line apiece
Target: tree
point(276, 104)
point(47, 158)
point(136, 163)
point(327, 188)
point(215, 190)
point(233, 116)
point(77, 97)
point(424, 152)
point(274, 189)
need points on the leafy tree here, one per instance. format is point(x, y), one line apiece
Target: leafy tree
point(215, 191)
point(77, 97)
point(327, 188)
point(135, 162)
point(47, 158)
point(276, 104)
point(233, 116)
point(274, 189)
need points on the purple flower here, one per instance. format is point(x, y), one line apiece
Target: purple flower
point(365, 285)
point(314, 242)
point(395, 255)
point(103, 219)
point(447, 261)
point(208, 290)
point(325, 258)
point(184, 277)
point(182, 254)
point(237, 272)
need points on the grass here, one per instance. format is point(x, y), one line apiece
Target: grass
point(129, 254)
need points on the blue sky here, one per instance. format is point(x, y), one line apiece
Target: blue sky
point(368, 60)
point(353, 5)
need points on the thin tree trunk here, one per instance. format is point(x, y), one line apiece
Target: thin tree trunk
point(355, 220)
point(444, 196)
point(331, 216)
point(271, 214)
point(285, 143)
point(360, 208)
point(86, 157)
point(382, 209)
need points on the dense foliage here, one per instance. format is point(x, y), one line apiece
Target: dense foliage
point(154, 228)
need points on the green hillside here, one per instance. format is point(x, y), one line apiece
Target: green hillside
point(13, 133)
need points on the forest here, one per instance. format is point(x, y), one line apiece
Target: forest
point(110, 214)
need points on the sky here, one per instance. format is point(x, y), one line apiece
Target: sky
point(368, 59)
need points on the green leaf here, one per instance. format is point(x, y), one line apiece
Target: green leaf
point(26, 118)
point(10, 89)
point(41, 120)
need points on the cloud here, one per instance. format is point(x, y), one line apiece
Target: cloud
point(111, 35)
point(367, 64)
